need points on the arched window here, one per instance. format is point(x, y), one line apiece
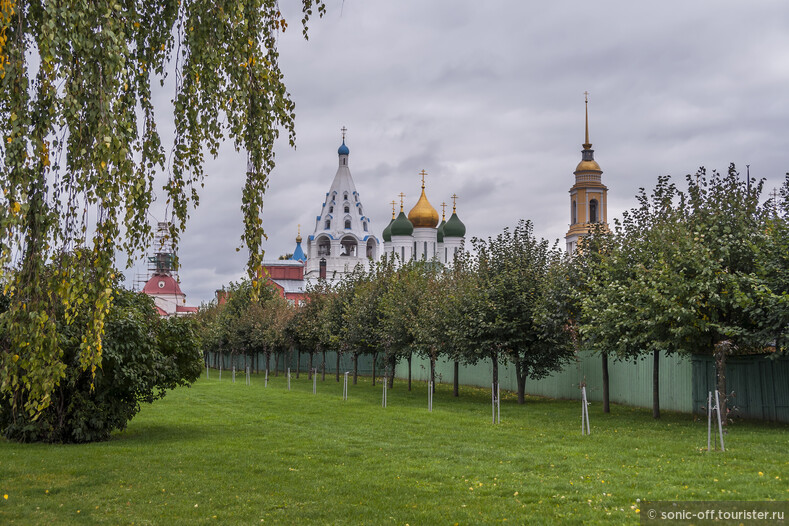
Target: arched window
point(574, 213)
point(331, 209)
point(345, 196)
point(324, 246)
point(365, 226)
point(347, 209)
point(424, 254)
point(360, 210)
point(348, 223)
point(593, 218)
point(327, 225)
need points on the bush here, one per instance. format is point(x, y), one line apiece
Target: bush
point(143, 356)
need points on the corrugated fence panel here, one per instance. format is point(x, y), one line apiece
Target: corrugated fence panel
point(760, 385)
point(630, 383)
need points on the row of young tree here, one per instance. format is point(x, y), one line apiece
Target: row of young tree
point(508, 301)
point(703, 270)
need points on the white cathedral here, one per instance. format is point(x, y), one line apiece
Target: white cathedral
point(343, 238)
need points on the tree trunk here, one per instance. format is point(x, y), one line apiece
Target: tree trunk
point(298, 362)
point(276, 364)
point(606, 406)
point(721, 350)
point(656, 386)
point(323, 367)
point(309, 375)
point(375, 357)
point(455, 385)
point(268, 362)
point(520, 377)
point(409, 371)
point(393, 364)
point(355, 366)
point(433, 372)
point(338, 366)
point(495, 359)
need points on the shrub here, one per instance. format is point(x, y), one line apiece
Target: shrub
point(143, 356)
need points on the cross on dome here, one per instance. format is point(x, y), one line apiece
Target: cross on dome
point(454, 197)
point(402, 195)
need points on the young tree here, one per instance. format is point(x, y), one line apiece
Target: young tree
point(525, 309)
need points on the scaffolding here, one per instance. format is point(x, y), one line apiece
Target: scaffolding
point(162, 262)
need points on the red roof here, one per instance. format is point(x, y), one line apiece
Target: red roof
point(159, 285)
point(179, 308)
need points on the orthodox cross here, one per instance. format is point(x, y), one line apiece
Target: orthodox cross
point(774, 197)
point(299, 229)
point(393, 208)
point(343, 130)
point(455, 197)
point(423, 173)
point(443, 211)
point(402, 195)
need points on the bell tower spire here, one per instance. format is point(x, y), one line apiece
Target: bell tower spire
point(588, 196)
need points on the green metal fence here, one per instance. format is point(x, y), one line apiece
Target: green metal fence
point(760, 385)
point(629, 383)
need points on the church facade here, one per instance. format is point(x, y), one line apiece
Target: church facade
point(343, 237)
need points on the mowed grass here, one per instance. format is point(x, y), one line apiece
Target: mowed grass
point(227, 453)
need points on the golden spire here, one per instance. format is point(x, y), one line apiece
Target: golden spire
point(298, 235)
point(587, 145)
point(455, 197)
point(402, 195)
point(423, 215)
point(393, 209)
point(443, 211)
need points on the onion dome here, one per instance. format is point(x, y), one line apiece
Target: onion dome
point(402, 226)
point(454, 227)
point(343, 150)
point(387, 233)
point(298, 252)
point(423, 215)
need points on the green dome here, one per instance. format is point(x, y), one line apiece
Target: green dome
point(454, 227)
point(402, 226)
point(387, 234)
point(440, 231)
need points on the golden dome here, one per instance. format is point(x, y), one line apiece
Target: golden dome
point(423, 215)
point(588, 166)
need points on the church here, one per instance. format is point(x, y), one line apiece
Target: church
point(343, 236)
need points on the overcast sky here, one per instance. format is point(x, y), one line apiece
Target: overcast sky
point(488, 98)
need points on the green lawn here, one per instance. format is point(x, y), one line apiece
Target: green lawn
point(223, 452)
